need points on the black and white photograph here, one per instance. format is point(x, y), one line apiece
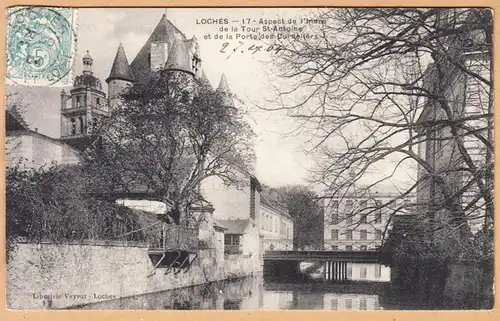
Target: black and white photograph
point(249, 158)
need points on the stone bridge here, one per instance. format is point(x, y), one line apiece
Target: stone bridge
point(287, 263)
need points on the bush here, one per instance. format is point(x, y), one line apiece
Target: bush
point(53, 204)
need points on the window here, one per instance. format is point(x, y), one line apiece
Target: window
point(349, 271)
point(232, 244)
point(363, 218)
point(348, 248)
point(439, 140)
point(335, 304)
point(362, 304)
point(362, 272)
point(335, 235)
point(335, 218)
point(73, 126)
point(335, 247)
point(363, 234)
point(363, 204)
point(348, 235)
point(98, 101)
point(348, 304)
point(82, 128)
point(363, 248)
point(77, 101)
point(378, 270)
point(378, 218)
point(231, 239)
point(335, 212)
point(378, 235)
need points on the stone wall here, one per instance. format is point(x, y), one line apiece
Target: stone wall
point(35, 150)
point(50, 276)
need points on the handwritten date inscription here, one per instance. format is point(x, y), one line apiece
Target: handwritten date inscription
point(230, 49)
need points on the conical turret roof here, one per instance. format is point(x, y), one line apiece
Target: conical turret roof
point(223, 86)
point(121, 69)
point(225, 91)
point(178, 57)
point(204, 80)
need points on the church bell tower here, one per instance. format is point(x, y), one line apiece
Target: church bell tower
point(82, 107)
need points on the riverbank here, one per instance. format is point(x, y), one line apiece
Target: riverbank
point(58, 276)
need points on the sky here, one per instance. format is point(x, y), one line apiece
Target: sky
point(281, 159)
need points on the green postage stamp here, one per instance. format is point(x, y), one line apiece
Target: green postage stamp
point(41, 45)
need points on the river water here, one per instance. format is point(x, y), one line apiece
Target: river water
point(260, 292)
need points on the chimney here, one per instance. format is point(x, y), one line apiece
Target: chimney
point(159, 53)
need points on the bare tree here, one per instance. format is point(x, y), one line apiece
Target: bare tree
point(166, 137)
point(384, 85)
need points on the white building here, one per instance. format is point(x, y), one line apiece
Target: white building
point(359, 221)
point(276, 225)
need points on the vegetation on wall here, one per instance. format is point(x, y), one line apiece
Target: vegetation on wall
point(52, 204)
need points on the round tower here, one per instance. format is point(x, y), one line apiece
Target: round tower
point(120, 78)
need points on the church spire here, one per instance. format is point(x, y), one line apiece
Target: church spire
point(121, 68)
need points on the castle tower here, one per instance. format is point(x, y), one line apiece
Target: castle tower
point(120, 77)
point(155, 52)
point(82, 107)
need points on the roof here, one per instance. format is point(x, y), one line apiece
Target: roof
point(121, 68)
point(233, 226)
point(223, 88)
point(219, 227)
point(255, 182)
point(276, 207)
point(14, 120)
point(204, 80)
point(166, 32)
point(178, 56)
point(87, 56)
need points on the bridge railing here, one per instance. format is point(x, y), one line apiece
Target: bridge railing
point(352, 245)
point(168, 237)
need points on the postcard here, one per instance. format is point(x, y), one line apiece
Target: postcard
point(249, 158)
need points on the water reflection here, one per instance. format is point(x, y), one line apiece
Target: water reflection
point(255, 293)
